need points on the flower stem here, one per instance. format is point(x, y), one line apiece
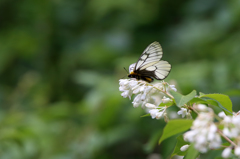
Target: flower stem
point(192, 108)
point(165, 92)
point(226, 138)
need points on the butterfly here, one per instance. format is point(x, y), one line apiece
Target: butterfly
point(150, 65)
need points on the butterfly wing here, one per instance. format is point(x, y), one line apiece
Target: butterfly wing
point(158, 70)
point(131, 67)
point(149, 63)
point(152, 54)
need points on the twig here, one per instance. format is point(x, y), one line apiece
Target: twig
point(226, 138)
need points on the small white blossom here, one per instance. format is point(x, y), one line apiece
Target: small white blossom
point(237, 151)
point(157, 113)
point(185, 112)
point(182, 112)
point(166, 100)
point(202, 107)
point(150, 106)
point(153, 112)
point(226, 152)
point(184, 147)
point(173, 87)
point(221, 114)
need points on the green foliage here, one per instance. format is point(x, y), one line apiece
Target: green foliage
point(181, 99)
point(221, 100)
point(191, 153)
point(166, 104)
point(180, 143)
point(60, 62)
point(174, 127)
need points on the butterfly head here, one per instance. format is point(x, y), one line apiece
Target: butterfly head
point(133, 75)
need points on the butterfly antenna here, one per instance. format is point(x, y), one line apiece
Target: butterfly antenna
point(123, 77)
point(125, 69)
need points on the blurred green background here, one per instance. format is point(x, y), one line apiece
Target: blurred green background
point(60, 62)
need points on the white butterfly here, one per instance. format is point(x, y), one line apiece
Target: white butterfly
point(149, 65)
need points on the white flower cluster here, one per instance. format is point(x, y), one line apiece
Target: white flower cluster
point(155, 111)
point(203, 133)
point(232, 130)
point(231, 125)
point(147, 95)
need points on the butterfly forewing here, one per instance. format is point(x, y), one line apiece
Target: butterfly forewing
point(151, 54)
point(150, 65)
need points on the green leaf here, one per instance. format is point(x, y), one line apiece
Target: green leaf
point(174, 127)
point(192, 153)
point(166, 104)
point(181, 99)
point(145, 115)
point(180, 143)
point(197, 101)
point(211, 102)
point(151, 143)
point(223, 101)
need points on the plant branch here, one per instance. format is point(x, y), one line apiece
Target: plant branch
point(226, 138)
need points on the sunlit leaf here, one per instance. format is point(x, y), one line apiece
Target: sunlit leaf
point(180, 143)
point(145, 115)
point(223, 101)
point(197, 100)
point(192, 153)
point(182, 99)
point(174, 127)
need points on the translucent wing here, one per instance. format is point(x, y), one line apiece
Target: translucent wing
point(131, 67)
point(158, 70)
point(161, 69)
point(151, 55)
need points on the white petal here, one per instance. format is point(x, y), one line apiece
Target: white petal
point(142, 88)
point(173, 87)
point(213, 128)
point(135, 104)
point(227, 132)
point(184, 147)
point(202, 107)
point(221, 114)
point(237, 151)
point(227, 119)
point(150, 106)
point(165, 100)
point(153, 112)
point(159, 115)
point(226, 152)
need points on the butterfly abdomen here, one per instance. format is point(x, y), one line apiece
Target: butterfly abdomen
point(147, 78)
